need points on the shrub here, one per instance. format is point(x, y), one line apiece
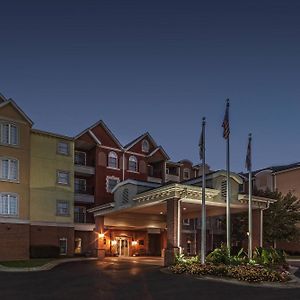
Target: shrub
point(44, 251)
point(269, 257)
point(219, 256)
point(249, 273)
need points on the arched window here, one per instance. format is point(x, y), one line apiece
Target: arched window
point(132, 165)
point(145, 146)
point(113, 160)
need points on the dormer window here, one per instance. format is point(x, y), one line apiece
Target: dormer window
point(9, 134)
point(112, 160)
point(132, 164)
point(145, 146)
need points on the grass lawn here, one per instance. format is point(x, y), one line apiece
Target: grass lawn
point(26, 263)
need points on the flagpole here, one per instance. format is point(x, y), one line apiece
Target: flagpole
point(203, 218)
point(228, 227)
point(250, 249)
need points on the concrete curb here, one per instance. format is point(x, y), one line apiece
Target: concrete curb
point(292, 284)
point(46, 267)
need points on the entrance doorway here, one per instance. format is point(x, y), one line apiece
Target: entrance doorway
point(123, 246)
point(154, 244)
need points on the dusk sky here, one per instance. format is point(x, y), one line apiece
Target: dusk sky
point(160, 66)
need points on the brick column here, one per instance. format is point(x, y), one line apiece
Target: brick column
point(256, 223)
point(100, 248)
point(172, 231)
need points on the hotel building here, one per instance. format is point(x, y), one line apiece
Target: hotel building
point(90, 195)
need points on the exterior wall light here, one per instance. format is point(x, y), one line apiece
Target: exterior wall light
point(101, 235)
point(113, 243)
point(134, 243)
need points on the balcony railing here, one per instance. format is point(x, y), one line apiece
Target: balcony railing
point(84, 195)
point(171, 177)
point(84, 170)
point(79, 217)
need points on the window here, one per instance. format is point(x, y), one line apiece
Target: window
point(186, 174)
point(62, 208)
point(63, 177)
point(145, 146)
point(79, 214)
point(80, 158)
point(63, 246)
point(9, 169)
point(9, 134)
point(8, 204)
point(111, 182)
point(186, 222)
point(132, 166)
point(80, 185)
point(63, 148)
point(112, 160)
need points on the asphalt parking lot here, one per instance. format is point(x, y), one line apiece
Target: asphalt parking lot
point(126, 279)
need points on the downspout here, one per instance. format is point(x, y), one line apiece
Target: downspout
point(262, 223)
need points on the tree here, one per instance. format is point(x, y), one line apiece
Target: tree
point(280, 220)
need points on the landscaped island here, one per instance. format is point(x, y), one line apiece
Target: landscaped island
point(267, 265)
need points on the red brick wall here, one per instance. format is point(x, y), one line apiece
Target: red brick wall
point(88, 239)
point(14, 242)
point(50, 235)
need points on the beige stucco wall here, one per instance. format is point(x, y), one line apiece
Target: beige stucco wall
point(22, 153)
point(288, 181)
point(43, 179)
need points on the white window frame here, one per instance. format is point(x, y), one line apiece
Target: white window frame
point(58, 148)
point(132, 158)
point(108, 190)
point(57, 179)
point(10, 160)
point(10, 125)
point(145, 146)
point(66, 241)
point(60, 214)
point(76, 151)
point(112, 155)
point(16, 196)
point(78, 181)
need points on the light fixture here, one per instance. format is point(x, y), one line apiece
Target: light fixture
point(113, 243)
point(134, 243)
point(184, 208)
point(101, 235)
point(161, 213)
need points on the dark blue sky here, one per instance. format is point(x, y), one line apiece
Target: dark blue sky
point(159, 66)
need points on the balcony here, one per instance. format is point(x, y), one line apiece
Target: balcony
point(154, 179)
point(84, 170)
point(173, 178)
point(84, 195)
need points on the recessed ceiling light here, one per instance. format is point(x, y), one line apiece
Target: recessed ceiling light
point(184, 208)
point(161, 213)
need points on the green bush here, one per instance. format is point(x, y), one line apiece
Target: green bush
point(249, 273)
point(44, 251)
point(269, 257)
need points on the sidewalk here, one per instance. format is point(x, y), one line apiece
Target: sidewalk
point(48, 266)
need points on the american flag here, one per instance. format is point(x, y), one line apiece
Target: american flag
point(201, 141)
point(225, 124)
point(248, 157)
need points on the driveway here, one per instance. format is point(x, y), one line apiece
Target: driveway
point(133, 278)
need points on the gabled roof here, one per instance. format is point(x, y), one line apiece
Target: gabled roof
point(101, 123)
point(2, 98)
point(162, 150)
point(138, 139)
point(14, 104)
point(278, 168)
point(214, 174)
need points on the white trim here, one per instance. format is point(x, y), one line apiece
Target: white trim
point(107, 182)
point(84, 227)
point(51, 224)
point(135, 182)
point(14, 195)
point(12, 220)
point(132, 158)
point(13, 103)
point(111, 148)
point(94, 137)
point(115, 156)
point(10, 125)
point(66, 246)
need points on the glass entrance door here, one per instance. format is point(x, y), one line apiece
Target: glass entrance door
point(123, 246)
